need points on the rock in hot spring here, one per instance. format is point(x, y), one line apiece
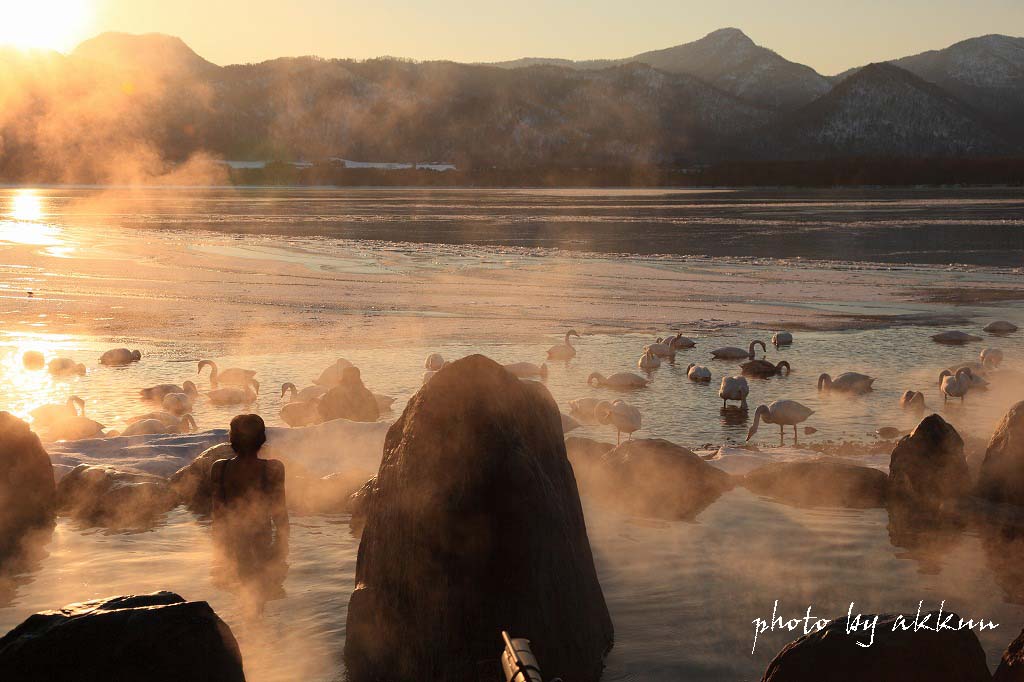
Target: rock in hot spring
point(1011, 666)
point(156, 637)
point(475, 526)
point(107, 497)
point(1002, 471)
point(27, 490)
point(928, 467)
point(819, 483)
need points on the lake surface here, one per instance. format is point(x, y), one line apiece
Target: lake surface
point(683, 595)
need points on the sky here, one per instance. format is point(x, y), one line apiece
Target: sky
point(829, 35)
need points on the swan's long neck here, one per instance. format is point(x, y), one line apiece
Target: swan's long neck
point(762, 410)
point(824, 380)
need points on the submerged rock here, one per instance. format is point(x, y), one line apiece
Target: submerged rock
point(655, 477)
point(1011, 667)
point(819, 483)
point(156, 637)
point(928, 467)
point(475, 526)
point(105, 496)
point(1002, 471)
point(27, 491)
point(832, 655)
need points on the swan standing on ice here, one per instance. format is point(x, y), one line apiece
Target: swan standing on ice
point(734, 353)
point(781, 412)
point(619, 380)
point(65, 367)
point(1001, 327)
point(235, 395)
point(954, 338)
point(698, 373)
point(734, 388)
point(782, 339)
point(764, 368)
point(649, 360)
point(45, 415)
point(564, 350)
point(623, 416)
point(232, 376)
point(119, 357)
point(912, 400)
point(527, 370)
point(848, 382)
point(955, 385)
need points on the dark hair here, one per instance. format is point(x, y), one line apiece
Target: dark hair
point(248, 434)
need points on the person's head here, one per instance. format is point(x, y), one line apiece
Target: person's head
point(350, 375)
point(248, 434)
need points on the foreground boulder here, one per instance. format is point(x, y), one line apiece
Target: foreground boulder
point(475, 526)
point(107, 497)
point(928, 467)
point(832, 655)
point(155, 637)
point(819, 483)
point(1002, 471)
point(658, 478)
point(27, 490)
point(1011, 667)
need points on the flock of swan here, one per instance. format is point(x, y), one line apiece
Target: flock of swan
point(236, 386)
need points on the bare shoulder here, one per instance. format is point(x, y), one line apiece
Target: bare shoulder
point(275, 469)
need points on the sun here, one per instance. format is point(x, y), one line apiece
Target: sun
point(44, 24)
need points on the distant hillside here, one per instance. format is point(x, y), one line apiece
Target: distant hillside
point(883, 111)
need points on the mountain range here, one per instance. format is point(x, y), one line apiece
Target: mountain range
point(121, 106)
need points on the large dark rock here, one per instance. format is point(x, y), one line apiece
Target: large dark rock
point(819, 483)
point(155, 637)
point(1011, 667)
point(832, 655)
point(27, 490)
point(1002, 471)
point(104, 496)
point(658, 478)
point(928, 467)
point(475, 526)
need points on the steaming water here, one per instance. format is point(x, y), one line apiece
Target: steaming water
point(682, 594)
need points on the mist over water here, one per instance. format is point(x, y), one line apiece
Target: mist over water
point(286, 281)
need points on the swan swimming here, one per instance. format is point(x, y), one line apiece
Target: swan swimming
point(698, 373)
point(118, 357)
point(564, 350)
point(848, 382)
point(232, 376)
point(734, 353)
point(649, 360)
point(619, 380)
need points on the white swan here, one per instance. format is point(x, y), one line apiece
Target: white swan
point(955, 385)
point(912, 400)
point(991, 358)
point(781, 412)
point(619, 380)
point(649, 360)
point(734, 353)
point(301, 412)
point(623, 416)
point(1000, 327)
point(78, 427)
point(180, 403)
point(734, 388)
point(434, 362)
point(679, 342)
point(527, 370)
point(782, 339)
point(33, 360)
point(308, 393)
point(45, 415)
point(232, 376)
point(662, 349)
point(149, 427)
point(954, 338)
point(120, 356)
point(849, 382)
point(331, 376)
point(156, 393)
point(583, 408)
point(235, 395)
point(564, 350)
point(65, 367)
point(698, 373)
point(161, 416)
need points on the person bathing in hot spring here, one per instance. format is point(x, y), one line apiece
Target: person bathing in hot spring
point(250, 518)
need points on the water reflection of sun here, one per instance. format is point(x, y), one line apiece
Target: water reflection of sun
point(23, 222)
point(28, 389)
